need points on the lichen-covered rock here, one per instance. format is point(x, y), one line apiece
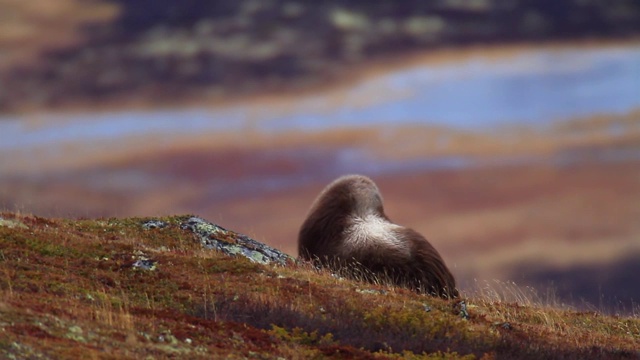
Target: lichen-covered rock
point(12, 223)
point(145, 264)
point(154, 224)
point(461, 308)
point(229, 242)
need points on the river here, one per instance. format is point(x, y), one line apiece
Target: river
point(534, 88)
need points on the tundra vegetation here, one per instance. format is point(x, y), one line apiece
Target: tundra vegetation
point(154, 288)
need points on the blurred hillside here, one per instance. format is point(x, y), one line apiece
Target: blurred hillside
point(73, 52)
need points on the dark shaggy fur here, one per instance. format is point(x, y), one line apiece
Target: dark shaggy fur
point(347, 228)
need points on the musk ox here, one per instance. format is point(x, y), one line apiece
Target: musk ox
point(347, 230)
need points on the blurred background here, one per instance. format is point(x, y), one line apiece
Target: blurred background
point(508, 133)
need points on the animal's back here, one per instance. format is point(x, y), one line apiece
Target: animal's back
point(347, 229)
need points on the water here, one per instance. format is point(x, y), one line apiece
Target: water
point(535, 88)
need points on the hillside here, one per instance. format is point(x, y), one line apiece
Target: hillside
point(138, 288)
point(105, 52)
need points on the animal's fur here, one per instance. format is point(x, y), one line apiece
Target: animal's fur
point(347, 227)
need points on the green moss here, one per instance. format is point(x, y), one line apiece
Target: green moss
point(302, 337)
point(46, 248)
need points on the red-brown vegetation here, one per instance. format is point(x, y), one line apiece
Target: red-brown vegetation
point(69, 289)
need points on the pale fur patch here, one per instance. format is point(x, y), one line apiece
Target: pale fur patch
point(372, 233)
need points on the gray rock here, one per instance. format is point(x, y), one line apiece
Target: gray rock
point(462, 310)
point(154, 224)
point(216, 237)
point(145, 264)
point(12, 224)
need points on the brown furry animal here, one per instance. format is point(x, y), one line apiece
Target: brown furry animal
point(347, 228)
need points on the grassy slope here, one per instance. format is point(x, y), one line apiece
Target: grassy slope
point(68, 289)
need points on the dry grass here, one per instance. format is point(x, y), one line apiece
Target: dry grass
point(69, 289)
point(112, 312)
point(505, 303)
